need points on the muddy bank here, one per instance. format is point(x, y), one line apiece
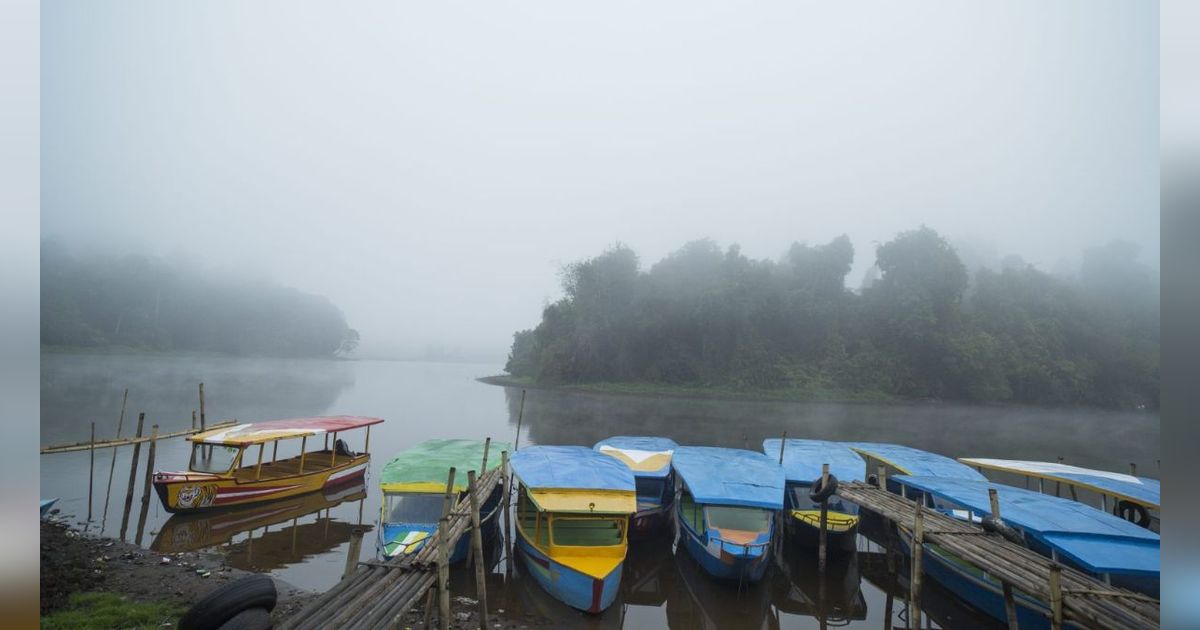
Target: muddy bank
point(73, 562)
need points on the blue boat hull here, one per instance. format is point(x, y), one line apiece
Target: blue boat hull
point(389, 532)
point(567, 585)
point(748, 567)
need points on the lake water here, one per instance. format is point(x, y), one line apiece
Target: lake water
point(305, 541)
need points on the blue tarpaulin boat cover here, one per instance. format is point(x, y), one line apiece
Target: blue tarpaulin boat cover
point(642, 449)
point(570, 468)
point(1141, 489)
point(802, 460)
point(912, 461)
point(1098, 541)
point(730, 476)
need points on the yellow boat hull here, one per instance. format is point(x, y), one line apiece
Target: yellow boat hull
point(192, 491)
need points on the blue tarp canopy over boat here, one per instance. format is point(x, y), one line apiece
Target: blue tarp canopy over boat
point(1137, 489)
point(802, 460)
point(570, 468)
point(913, 461)
point(645, 456)
point(730, 476)
point(1096, 540)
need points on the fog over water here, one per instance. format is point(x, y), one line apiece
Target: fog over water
point(429, 168)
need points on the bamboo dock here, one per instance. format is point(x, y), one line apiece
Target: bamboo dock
point(378, 594)
point(1070, 595)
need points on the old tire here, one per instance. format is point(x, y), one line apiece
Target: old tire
point(1132, 512)
point(820, 494)
point(249, 619)
point(224, 603)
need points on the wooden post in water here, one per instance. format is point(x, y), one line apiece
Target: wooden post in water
point(1010, 605)
point(303, 449)
point(356, 537)
point(1056, 603)
point(882, 476)
point(1132, 469)
point(203, 418)
point(487, 446)
point(782, 443)
point(443, 533)
point(504, 505)
point(137, 449)
point(918, 547)
point(148, 487)
point(1058, 484)
point(112, 465)
point(91, 470)
point(477, 550)
point(520, 416)
point(823, 535)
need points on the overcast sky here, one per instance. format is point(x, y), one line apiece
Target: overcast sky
point(431, 166)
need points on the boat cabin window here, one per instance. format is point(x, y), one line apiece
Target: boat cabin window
point(651, 487)
point(213, 458)
point(739, 518)
point(588, 531)
point(421, 507)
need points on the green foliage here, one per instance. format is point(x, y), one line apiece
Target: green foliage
point(150, 304)
point(103, 611)
point(703, 318)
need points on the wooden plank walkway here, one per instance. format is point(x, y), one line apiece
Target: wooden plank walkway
point(1085, 600)
point(378, 594)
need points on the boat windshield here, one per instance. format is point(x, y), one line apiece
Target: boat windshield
point(588, 532)
point(213, 458)
point(740, 518)
point(650, 487)
point(424, 507)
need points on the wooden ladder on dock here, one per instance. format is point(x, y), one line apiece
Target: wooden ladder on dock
point(1077, 597)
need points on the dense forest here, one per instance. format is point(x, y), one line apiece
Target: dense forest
point(921, 326)
point(146, 303)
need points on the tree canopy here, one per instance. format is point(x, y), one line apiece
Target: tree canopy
point(925, 327)
point(147, 303)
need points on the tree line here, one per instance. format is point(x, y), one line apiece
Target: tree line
point(147, 303)
point(922, 326)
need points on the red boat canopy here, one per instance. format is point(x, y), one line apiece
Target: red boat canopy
point(259, 432)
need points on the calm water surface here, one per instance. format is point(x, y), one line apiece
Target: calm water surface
point(305, 541)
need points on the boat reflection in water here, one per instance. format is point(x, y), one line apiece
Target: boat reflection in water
point(834, 599)
point(700, 602)
point(271, 549)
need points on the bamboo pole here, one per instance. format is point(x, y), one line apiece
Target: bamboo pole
point(782, 444)
point(507, 507)
point(487, 446)
point(112, 465)
point(444, 557)
point(1056, 597)
point(86, 445)
point(137, 448)
point(91, 470)
point(150, 465)
point(1010, 605)
point(303, 452)
point(203, 417)
point(823, 535)
point(477, 548)
point(918, 546)
point(193, 419)
point(352, 554)
point(520, 416)
point(1132, 469)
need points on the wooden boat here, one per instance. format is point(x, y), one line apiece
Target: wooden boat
point(573, 508)
point(1136, 499)
point(802, 465)
point(414, 490)
point(906, 460)
point(219, 475)
point(1095, 542)
point(650, 460)
point(726, 502)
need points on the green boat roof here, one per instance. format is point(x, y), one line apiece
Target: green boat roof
point(424, 467)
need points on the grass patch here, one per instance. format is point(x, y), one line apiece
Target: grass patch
point(101, 611)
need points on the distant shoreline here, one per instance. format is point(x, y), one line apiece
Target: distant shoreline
point(657, 390)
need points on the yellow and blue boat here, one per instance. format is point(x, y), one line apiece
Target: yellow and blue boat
point(414, 493)
point(725, 508)
point(573, 509)
point(650, 460)
point(803, 461)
